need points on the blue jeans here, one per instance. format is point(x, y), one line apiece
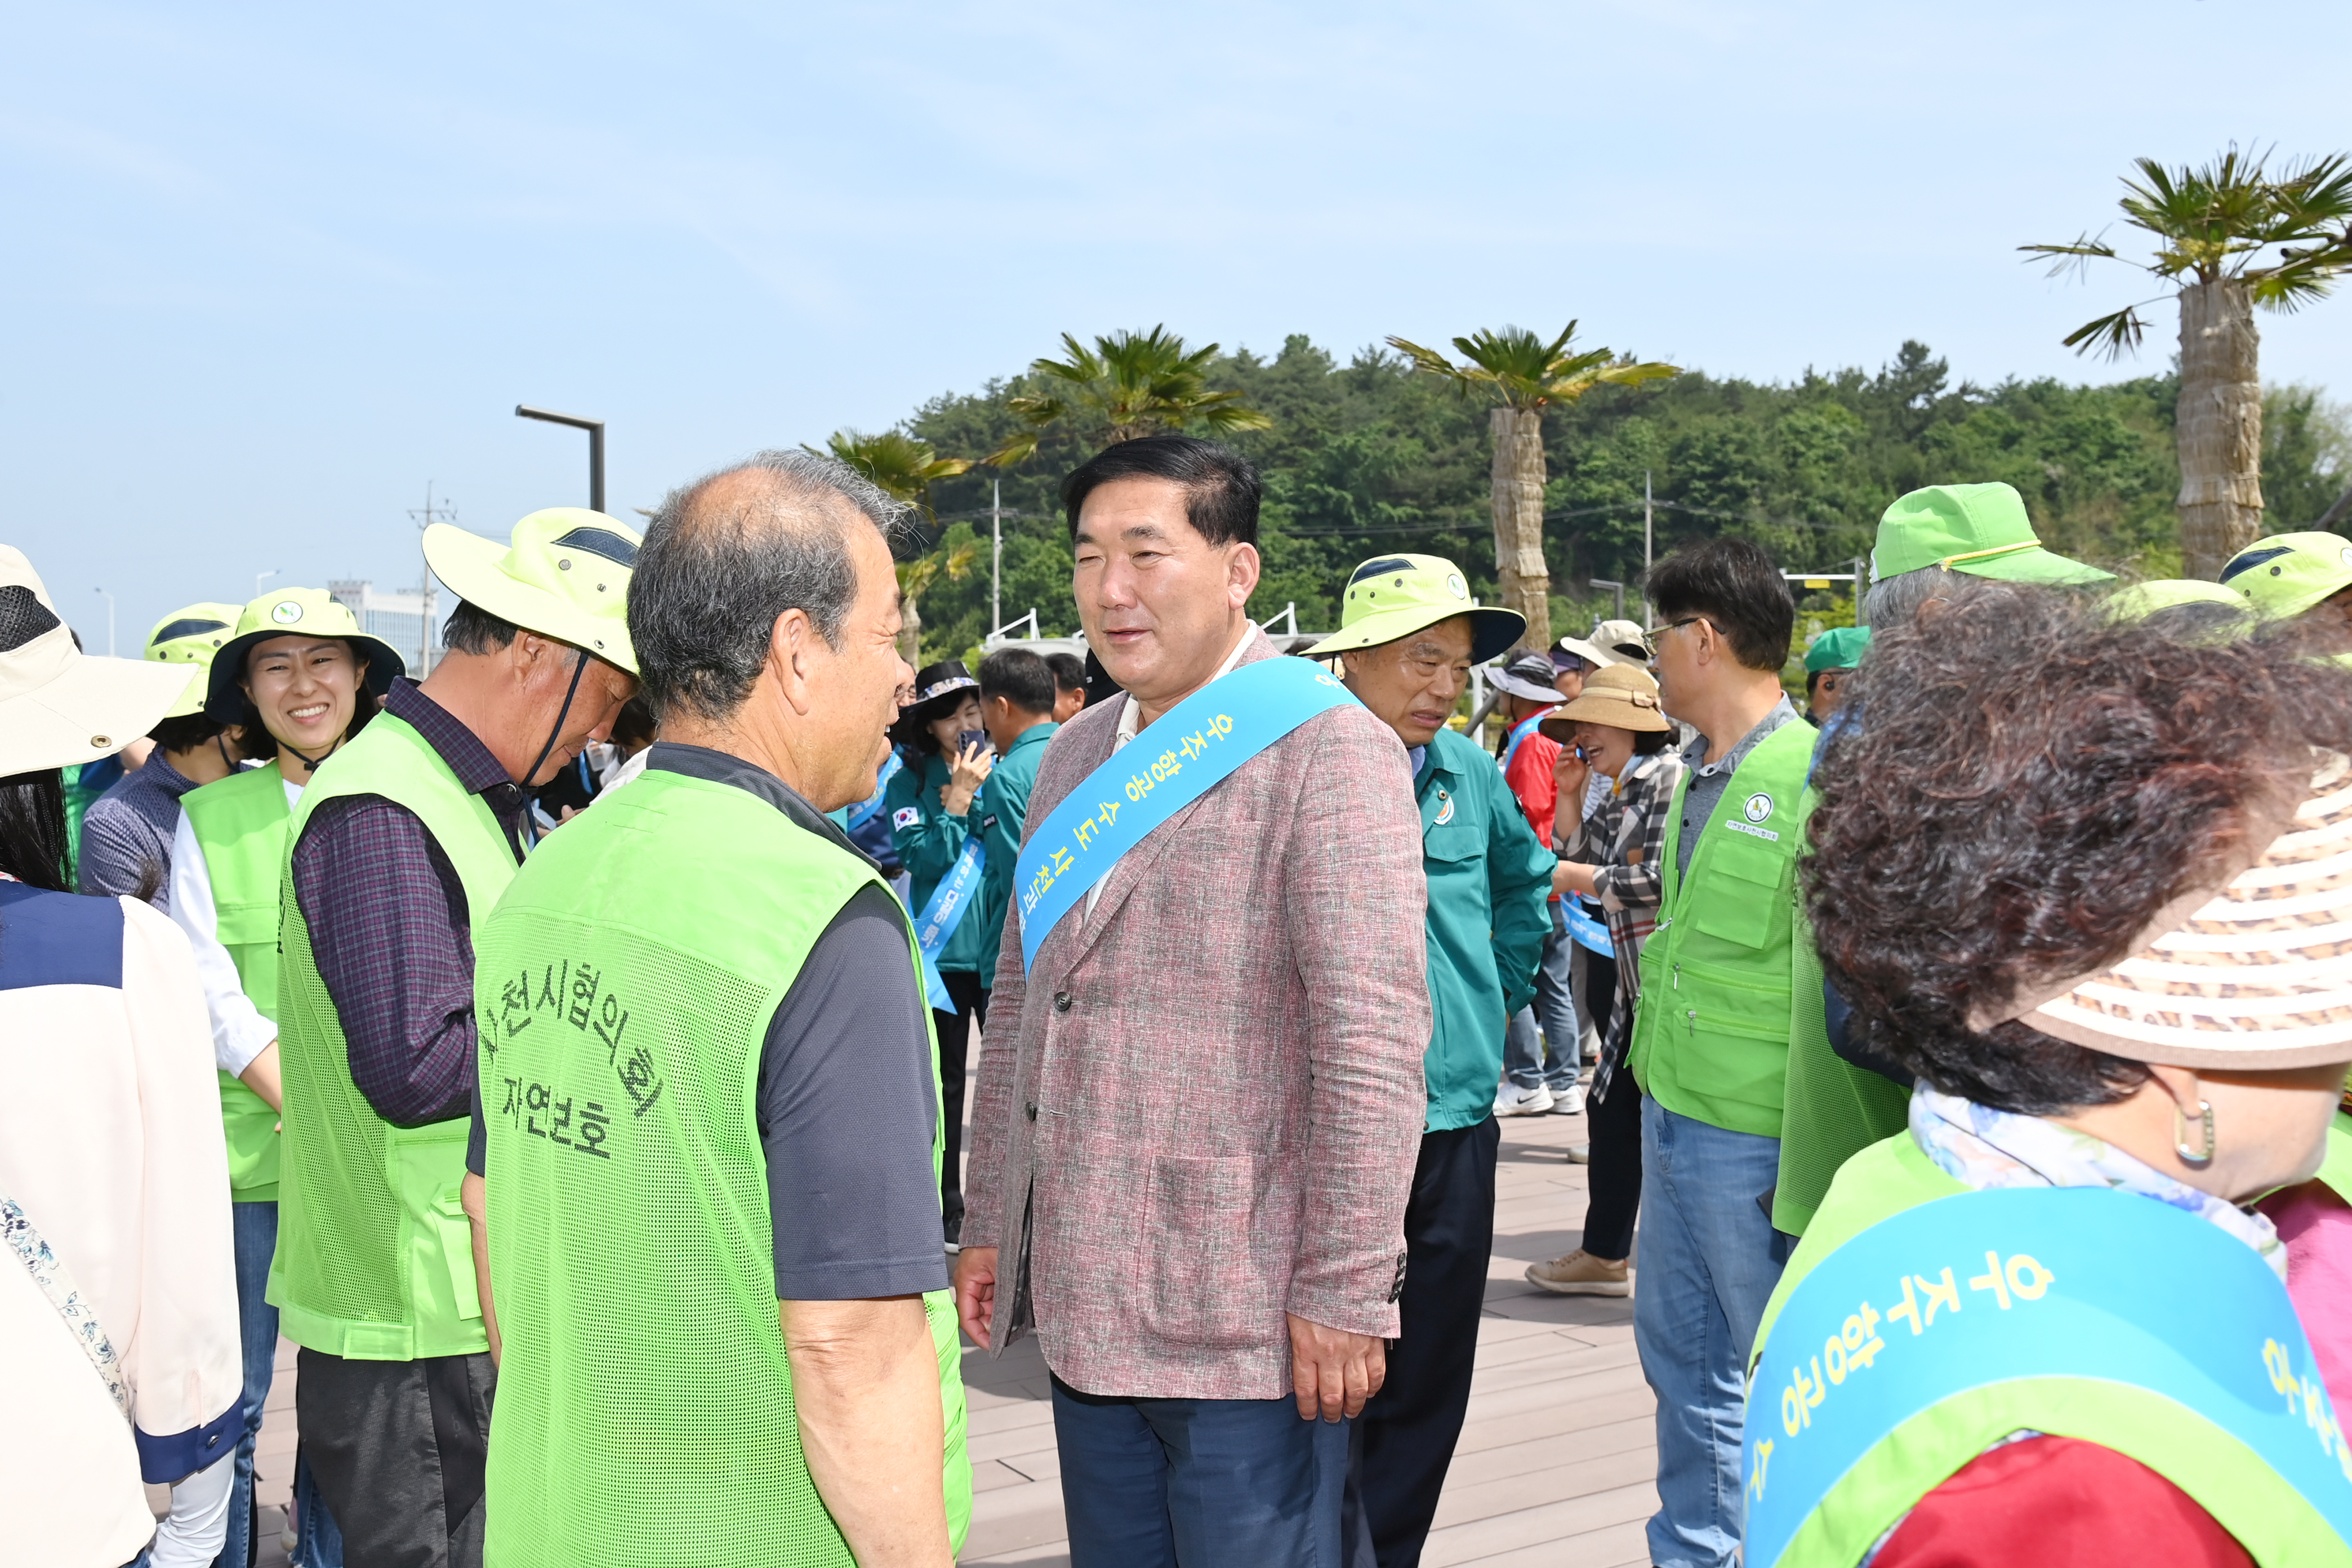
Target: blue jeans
point(1153, 1483)
point(1709, 1260)
point(322, 1542)
point(1524, 1057)
point(254, 1229)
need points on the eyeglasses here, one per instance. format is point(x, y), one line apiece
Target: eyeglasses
point(1656, 631)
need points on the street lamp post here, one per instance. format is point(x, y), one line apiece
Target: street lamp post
point(110, 619)
point(259, 579)
point(595, 429)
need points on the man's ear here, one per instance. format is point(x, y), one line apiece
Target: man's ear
point(791, 648)
point(1241, 572)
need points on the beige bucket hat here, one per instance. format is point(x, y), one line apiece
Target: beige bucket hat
point(60, 707)
point(2256, 974)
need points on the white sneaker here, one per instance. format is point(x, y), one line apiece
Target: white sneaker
point(1512, 1100)
point(1569, 1101)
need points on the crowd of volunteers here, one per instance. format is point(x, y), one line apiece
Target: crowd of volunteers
point(1962, 1056)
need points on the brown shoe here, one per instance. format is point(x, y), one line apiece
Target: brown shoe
point(1581, 1274)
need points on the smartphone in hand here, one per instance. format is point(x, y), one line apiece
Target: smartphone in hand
point(967, 738)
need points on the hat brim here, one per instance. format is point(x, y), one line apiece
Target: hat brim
point(92, 710)
point(2255, 976)
point(1594, 654)
point(2035, 565)
point(1504, 680)
point(1562, 723)
point(467, 564)
point(198, 692)
point(225, 701)
point(1493, 629)
point(940, 702)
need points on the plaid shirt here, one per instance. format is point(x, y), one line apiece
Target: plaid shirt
point(388, 927)
point(1625, 840)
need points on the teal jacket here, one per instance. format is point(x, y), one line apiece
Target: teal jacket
point(1488, 880)
point(928, 841)
point(1001, 807)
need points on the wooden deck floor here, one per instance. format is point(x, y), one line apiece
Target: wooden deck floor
point(1555, 1466)
point(1556, 1463)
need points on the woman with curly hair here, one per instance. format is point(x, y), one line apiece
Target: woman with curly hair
point(2093, 885)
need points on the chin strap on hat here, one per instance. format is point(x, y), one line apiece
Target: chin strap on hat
point(579, 669)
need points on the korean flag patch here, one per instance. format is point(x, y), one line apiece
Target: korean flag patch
point(905, 817)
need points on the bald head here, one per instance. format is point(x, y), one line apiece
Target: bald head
point(727, 554)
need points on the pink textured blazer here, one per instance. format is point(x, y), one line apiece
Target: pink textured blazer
point(1201, 1108)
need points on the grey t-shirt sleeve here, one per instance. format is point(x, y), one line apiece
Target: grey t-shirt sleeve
point(847, 1116)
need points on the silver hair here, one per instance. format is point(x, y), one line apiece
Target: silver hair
point(713, 575)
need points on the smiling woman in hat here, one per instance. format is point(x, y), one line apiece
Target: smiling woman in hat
point(933, 823)
point(399, 851)
point(2083, 880)
point(298, 669)
point(118, 1304)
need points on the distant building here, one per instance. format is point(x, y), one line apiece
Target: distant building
point(399, 618)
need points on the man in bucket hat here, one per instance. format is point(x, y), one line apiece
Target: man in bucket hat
point(1531, 686)
point(1406, 654)
point(400, 847)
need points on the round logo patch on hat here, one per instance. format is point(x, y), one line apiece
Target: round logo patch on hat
point(1462, 590)
point(1759, 806)
point(285, 612)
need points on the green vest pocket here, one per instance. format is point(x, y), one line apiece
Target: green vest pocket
point(1741, 907)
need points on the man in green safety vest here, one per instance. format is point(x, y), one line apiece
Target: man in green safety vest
point(709, 1131)
point(1711, 1038)
point(397, 854)
point(298, 668)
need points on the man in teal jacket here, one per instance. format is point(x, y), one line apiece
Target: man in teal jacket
point(1409, 635)
point(1017, 694)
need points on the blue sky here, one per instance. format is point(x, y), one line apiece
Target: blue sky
point(270, 270)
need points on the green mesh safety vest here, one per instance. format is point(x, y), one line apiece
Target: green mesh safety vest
point(240, 824)
point(2270, 1519)
point(1832, 1110)
point(376, 1261)
point(1711, 1036)
point(624, 987)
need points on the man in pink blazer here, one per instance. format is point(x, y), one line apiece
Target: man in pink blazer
point(1198, 1114)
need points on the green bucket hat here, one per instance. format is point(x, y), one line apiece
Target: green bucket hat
point(292, 612)
point(1840, 648)
point(2287, 573)
point(1979, 529)
point(1390, 596)
point(191, 636)
point(563, 573)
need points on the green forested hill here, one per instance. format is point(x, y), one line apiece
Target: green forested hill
point(1367, 456)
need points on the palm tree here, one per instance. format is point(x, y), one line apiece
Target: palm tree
point(1127, 385)
point(905, 467)
point(2212, 226)
point(1523, 375)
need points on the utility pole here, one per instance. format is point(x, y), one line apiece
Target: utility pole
point(426, 518)
point(996, 551)
point(110, 619)
point(1649, 611)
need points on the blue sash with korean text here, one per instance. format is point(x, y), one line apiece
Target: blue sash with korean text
point(1519, 736)
point(943, 911)
point(863, 812)
point(1187, 751)
point(2016, 1285)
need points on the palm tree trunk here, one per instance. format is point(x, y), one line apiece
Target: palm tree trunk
point(1518, 492)
point(2219, 426)
point(910, 631)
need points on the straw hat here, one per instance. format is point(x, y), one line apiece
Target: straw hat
point(1622, 695)
point(563, 573)
point(60, 707)
point(2251, 970)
